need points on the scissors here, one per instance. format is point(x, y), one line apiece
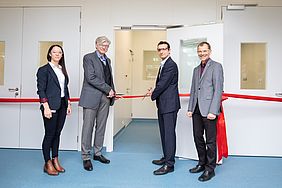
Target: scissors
point(147, 94)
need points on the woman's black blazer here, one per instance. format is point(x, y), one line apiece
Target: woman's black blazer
point(48, 87)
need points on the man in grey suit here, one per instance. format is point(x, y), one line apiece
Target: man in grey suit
point(97, 95)
point(204, 107)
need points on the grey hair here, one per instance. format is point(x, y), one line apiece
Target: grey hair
point(102, 39)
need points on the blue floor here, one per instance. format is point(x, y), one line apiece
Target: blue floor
point(134, 149)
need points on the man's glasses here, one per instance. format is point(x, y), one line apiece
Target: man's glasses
point(160, 49)
point(104, 45)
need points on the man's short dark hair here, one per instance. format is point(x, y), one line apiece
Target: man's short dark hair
point(203, 43)
point(164, 42)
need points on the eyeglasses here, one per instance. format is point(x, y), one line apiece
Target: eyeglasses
point(160, 49)
point(104, 45)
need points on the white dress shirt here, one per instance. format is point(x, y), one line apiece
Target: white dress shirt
point(162, 64)
point(61, 77)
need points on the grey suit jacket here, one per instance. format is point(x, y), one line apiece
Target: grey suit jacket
point(207, 89)
point(94, 85)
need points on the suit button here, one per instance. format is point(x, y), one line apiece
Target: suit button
point(199, 88)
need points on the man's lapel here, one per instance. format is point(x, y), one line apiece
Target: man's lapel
point(205, 69)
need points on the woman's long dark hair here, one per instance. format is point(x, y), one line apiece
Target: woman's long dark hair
point(62, 60)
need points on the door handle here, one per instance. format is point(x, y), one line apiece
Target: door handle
point(13, 89)
point(278, 94)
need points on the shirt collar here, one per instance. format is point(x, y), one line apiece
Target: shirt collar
point(163, 61)
point(103, 57)
point(54, 66)
point(203, 64)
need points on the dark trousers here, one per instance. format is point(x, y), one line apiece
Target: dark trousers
point(206, 148)
point(53, 128)
point(167, 124)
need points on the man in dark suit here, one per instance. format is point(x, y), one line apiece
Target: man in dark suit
point(97, 95)
point(204, 107)
point(167, 100)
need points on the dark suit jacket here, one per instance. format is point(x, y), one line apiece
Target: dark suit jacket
point(94, 84)
point(48, 87)
point(166, 91)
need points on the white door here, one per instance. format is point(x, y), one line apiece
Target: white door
point(10, 73)
point(183, 50)
point(43, 25)
point(254, 127)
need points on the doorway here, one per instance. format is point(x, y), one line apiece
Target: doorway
point(135, 55)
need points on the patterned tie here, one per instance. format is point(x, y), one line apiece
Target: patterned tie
point(103, 59)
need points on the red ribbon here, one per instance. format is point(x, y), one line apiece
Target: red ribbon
point(221, 137)
point(252, 97)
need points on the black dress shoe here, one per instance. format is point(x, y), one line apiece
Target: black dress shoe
point(164, 170)
point(197, 169)
point(206, 176)
point(102, 159)
point(159, 162)
point(87, 165)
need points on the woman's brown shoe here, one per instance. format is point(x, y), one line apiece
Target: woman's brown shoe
point(57, 165)
point(50, 169)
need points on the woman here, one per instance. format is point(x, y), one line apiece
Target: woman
point(52, 88)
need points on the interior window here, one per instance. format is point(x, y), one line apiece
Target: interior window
point(188, 61)
point(253, 65)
